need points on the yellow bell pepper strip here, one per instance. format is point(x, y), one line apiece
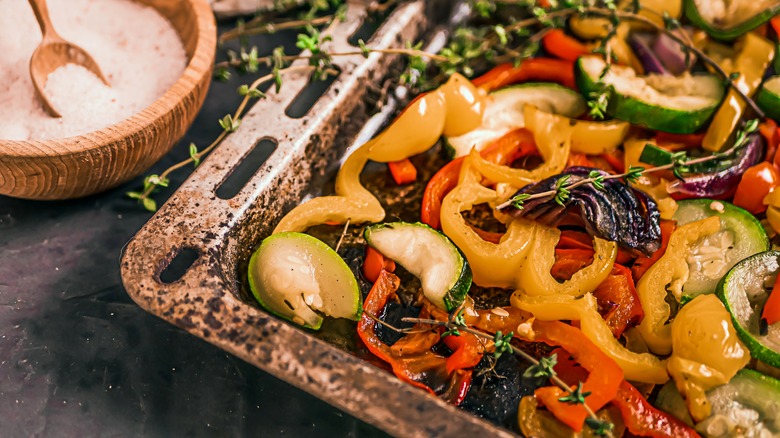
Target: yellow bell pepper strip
point(352, 201)
point(552, 135)
point(534, 277)
point(638, 367)
point(670, 272)
point(492, 265)
point(454, 108)
point(750, 59)
point(707, 352)
point(596, 138)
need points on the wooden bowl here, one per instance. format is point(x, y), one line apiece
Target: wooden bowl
point(96, 161)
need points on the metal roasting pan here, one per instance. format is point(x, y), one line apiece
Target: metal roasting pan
point(207, 300)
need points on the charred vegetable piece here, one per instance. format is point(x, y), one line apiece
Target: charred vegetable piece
point(678, 104)
point(617, 213)
point(745, 291)
point(728, 19)
point(740, 236)
point(298, 277)
point(428, 254)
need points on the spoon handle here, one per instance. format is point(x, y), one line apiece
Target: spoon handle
point(41, 11)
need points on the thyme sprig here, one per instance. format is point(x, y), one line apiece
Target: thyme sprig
point(543, 367)
point(679, 162)
point(320, 65)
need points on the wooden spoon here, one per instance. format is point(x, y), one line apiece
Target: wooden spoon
point(53, 53)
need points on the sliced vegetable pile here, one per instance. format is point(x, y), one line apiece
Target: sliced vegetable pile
point(617, 189)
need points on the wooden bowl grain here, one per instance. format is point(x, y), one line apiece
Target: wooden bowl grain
point(90, 163)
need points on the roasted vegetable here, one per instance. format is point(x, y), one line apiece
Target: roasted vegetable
point(298, 277)
point(728, 19)
point(745, 290)
point(428, 254)
point(679, 104)
point(706, 352)
point(617, 213)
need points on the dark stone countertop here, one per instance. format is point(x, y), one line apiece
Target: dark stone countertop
point(79, 358)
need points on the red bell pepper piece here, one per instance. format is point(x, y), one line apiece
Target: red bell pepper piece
point(642, 419)
point(643, 262)
point(374, 263)
point(410, 358)
point(578, 159)
point(616, 296)
point(571, 239)
point(771, 312)
point(563, 46)
point(534, 69)
point(602, 382)
point(440, 184)
point(510, 147)
point(615, 160)
point(466, 349)
point(678, 142)
point(403, 171)
point(756, 183)
point(618, 300)
point(768, 130)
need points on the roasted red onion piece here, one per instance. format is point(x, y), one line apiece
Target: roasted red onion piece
point(618, 213)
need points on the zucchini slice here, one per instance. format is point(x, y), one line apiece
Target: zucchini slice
point(429, 255)
point(678, 104)
point(747, 406)
point(728, 19)
point(768, 97)
point(504, 113)
point(296, 277)
point(741, 235)
point(744, 290)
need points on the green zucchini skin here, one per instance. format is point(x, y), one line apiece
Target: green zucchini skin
point(769, 100)
point(457, 287)
point(505, 113)
point(751, 390)
point(638, 112)
point(691, 11)
point(745, 313)
point(337, 285)
point(749, 237)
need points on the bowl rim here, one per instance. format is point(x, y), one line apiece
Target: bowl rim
point(199, 65)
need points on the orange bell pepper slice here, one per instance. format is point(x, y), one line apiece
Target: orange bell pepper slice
point(403, 171)
point(535, 69)
point(603, 380)
point(560, 45)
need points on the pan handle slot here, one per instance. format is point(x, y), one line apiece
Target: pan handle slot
point(246, 169)
point(370, 25)
point(179, 265)
point(309, 95)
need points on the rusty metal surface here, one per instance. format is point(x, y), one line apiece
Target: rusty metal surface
point(207, 301)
